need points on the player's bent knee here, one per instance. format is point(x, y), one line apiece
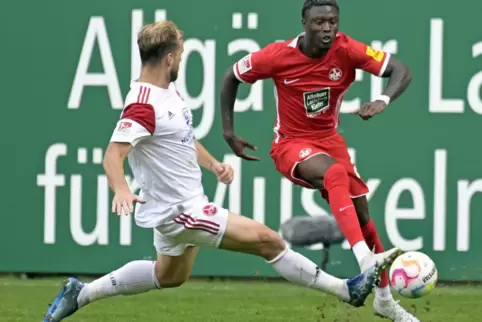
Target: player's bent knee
point(313, 170)
point(270, 244)
point(248, 236)
point(336, 175)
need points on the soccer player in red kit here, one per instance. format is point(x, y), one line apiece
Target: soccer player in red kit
point(311, 73)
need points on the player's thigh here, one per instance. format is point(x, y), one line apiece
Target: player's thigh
point(245, 235)
point(312, 170)
point(302, 162)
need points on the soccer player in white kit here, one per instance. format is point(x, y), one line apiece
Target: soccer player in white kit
point(155, 133)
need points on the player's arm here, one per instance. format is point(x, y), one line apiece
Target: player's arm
point(114, 165)
point(224, 172)
point(382, 64)
point(137, 122)
point(205, 159)
point(399, 77)
point(251, 68)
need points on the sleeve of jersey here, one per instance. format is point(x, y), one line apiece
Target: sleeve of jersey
point(137, 122)
point(368, 59)
point(255, 66)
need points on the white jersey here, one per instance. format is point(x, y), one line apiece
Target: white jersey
point(164, 161)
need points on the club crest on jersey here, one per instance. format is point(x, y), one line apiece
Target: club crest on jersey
point(305, 152)
point(335, 74)
point(210, 210)
point(316, 102)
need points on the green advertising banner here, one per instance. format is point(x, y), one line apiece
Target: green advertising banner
point(66, 69)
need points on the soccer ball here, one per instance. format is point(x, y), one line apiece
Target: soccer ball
point(413, 274)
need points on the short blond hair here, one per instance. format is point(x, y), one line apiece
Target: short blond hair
point(157, 39)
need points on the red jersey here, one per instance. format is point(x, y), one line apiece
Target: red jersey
point(309, 92)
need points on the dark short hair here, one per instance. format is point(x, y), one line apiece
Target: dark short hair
point(156, 40)
point(317, 3)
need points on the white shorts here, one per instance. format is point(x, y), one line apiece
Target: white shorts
point(200, 223)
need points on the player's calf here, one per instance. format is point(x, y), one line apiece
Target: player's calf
point(141, 276)
point(174, 271)
point(322, 169)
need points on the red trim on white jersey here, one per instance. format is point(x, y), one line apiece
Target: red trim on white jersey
point(197, 224)
point(143, 114)
point(143, 96)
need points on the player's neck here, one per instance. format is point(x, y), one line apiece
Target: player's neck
point(156, 76)
point(311, 51)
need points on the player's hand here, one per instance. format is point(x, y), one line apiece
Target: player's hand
point(238, 145)
point(224, 172)
point(368, 110)
point(123, 202)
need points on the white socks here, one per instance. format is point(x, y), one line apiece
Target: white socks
point(361, 252)
point(139, 277)
point(300, 270)
point(133, 278)
point(383, 293)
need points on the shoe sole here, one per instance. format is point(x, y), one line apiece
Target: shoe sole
point(390, 259)
point(386, 264)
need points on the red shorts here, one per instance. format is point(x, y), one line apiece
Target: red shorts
point(289, 152)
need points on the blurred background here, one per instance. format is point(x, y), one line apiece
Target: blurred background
point(66, 68)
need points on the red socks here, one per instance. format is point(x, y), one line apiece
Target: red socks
point(337, 184)
point(372, 240)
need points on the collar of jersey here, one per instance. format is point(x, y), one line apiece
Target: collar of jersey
point(294, 42)
point(149, 85)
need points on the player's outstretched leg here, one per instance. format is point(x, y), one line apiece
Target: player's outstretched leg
point(384, 305)
point(248, 236)
point(133, 278)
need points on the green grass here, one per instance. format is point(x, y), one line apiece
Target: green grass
point(26, 300)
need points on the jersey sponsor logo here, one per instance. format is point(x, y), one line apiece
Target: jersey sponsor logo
point(316, 102)
point(291, 81)
point(170, 115)
point(244, 65)
point(305, 152)
point(187, 116)
point(375, 54)
point(335, 74)
point(124, 127)
point(189, 138)
point(210, 210)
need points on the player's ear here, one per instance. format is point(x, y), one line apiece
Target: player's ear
point(170, 59)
